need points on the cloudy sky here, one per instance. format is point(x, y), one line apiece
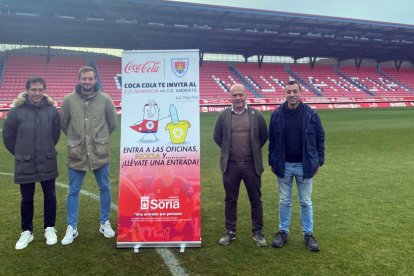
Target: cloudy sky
point(396, 11)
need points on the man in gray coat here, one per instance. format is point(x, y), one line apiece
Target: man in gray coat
point(30, 133)
point(241, 132)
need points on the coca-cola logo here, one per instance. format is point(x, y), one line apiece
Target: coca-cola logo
point(147, 67)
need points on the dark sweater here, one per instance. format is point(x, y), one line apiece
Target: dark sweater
point(240, 147)
point(293, 133)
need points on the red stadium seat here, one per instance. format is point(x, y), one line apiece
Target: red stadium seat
point(19, 68)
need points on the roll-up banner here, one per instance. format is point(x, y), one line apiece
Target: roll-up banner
point(159, 181)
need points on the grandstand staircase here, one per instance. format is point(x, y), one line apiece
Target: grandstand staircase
point(357, 84)
point(302, 82)
point(2, 68)
point(244, 82)
point(394, 80)
point(92, 64)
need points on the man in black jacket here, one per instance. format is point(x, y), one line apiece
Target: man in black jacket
point(241, 132)
point(296, 150)
point(30, 132)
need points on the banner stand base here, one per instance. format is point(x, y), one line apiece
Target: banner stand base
point(136, 246)
point(182, 249)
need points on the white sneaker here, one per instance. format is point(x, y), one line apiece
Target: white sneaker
point(106, 230)
point(70, 235)
point(50, 235)
point(25, 238)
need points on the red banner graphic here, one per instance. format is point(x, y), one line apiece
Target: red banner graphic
point(159, 181)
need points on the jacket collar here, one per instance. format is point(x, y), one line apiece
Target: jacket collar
point(22, 99)
point(239, 113)
point(96, 91)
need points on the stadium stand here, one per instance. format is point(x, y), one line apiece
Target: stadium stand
point(268, 80)
point(374, 83)
point(61, 74)
point(109, 71)
point(327, 82)
point(403, 77)
point(216, 78)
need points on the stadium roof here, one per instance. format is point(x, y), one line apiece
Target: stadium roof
point(139, 24)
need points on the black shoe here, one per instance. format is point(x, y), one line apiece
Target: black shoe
point(227, 238)
point(280, 239)
point(259, 239)
point(311, 243)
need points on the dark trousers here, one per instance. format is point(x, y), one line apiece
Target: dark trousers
point(27, 191)
point(231, 179)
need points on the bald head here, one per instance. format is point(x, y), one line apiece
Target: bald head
point(237, 87)
point(238, 96)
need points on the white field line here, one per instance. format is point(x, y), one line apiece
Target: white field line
point(166, 255)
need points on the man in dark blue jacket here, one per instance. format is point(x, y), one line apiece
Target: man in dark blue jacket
point(296, 150)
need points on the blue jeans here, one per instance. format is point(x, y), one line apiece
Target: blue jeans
point(75, 185)
point(305, 197)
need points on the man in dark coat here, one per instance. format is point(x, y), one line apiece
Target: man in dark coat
point(241, 132)
point(30, 132)
point(296, 151)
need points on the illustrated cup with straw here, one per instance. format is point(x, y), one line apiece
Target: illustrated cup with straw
point(177, 128)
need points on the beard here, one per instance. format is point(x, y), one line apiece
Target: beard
point(293, 99)
point(87, 90)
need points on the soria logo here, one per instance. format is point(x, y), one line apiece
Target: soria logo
point(146, 67)
point(144, 202)
point(162, 203)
